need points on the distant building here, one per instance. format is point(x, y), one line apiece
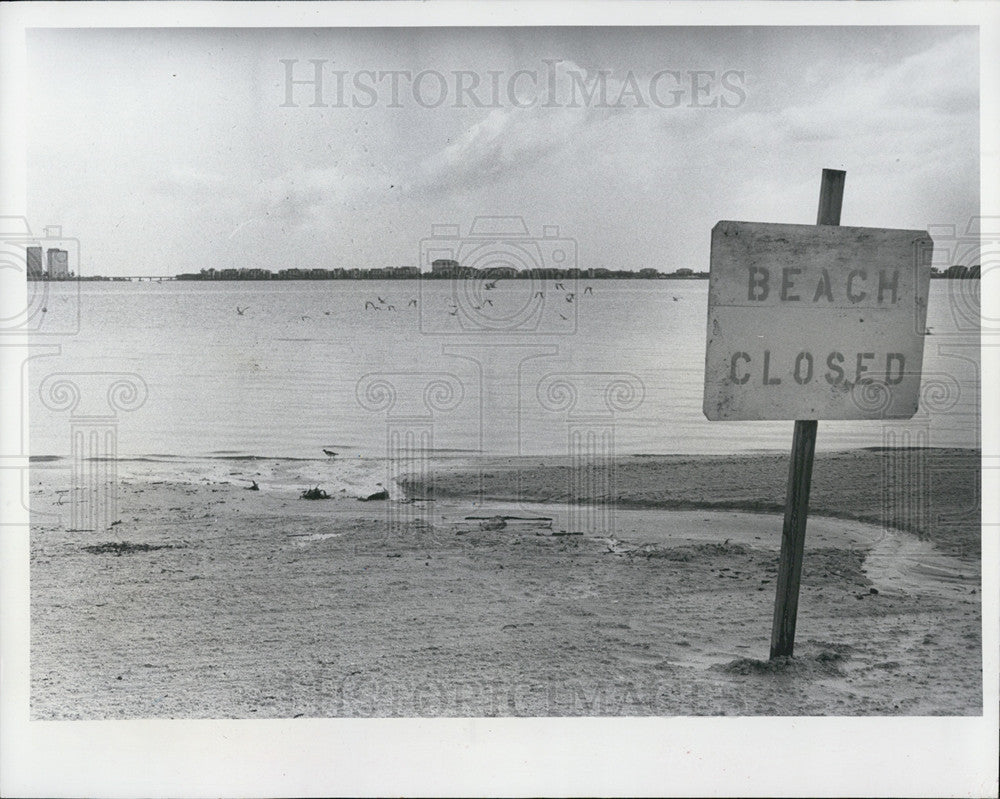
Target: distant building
point(444, 266)
point(58, 263)
point(648, 272)
point(35, 269)
point(684, 272)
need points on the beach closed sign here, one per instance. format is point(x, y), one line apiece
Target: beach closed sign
point(815, 322)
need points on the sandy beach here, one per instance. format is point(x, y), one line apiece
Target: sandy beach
point(208, 600)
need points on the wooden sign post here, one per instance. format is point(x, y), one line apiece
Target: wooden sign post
point(809, 322)
point(800, 467)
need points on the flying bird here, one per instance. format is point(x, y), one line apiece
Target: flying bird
point(412, 302)
point(560, 286)
point(241, 311)
point(370, 304)
point(588, 290)
point(569, 297)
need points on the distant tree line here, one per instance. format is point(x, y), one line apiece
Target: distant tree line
point(957, 272)
point(439, 273)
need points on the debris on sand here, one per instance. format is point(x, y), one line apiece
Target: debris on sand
point(493, 523)
point(383, 494)
point(119, 548)
point(253, 487)
point(314, 493)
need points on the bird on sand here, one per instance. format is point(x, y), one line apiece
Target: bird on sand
point(330, 452)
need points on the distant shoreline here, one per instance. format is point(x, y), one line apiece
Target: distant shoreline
point(270, 276)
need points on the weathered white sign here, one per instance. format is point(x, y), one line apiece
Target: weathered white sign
point(815, 321)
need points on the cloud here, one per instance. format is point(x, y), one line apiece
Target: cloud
point(920, 100)
point(512, 139)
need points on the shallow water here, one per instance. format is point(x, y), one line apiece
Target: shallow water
point(308, 367)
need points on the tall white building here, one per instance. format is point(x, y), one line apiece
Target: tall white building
point(58, 263)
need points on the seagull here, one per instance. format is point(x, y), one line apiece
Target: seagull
point(588, 290)
point(559, 286)
point(369, 303)
point(927, 332)
point(491, 285)
point(391, 308)
point(539, 294)
point(330, 452)
point(453, 313)
point(569, 297)
point(488, 302)
point(676, 298)
point(304, 317)
point(380, 301)
point(563, 317)
point(412, 302)
point(240, 311)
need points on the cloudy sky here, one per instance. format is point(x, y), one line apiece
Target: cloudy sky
point(175, 150)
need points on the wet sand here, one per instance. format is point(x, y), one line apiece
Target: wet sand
point(211, 601)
